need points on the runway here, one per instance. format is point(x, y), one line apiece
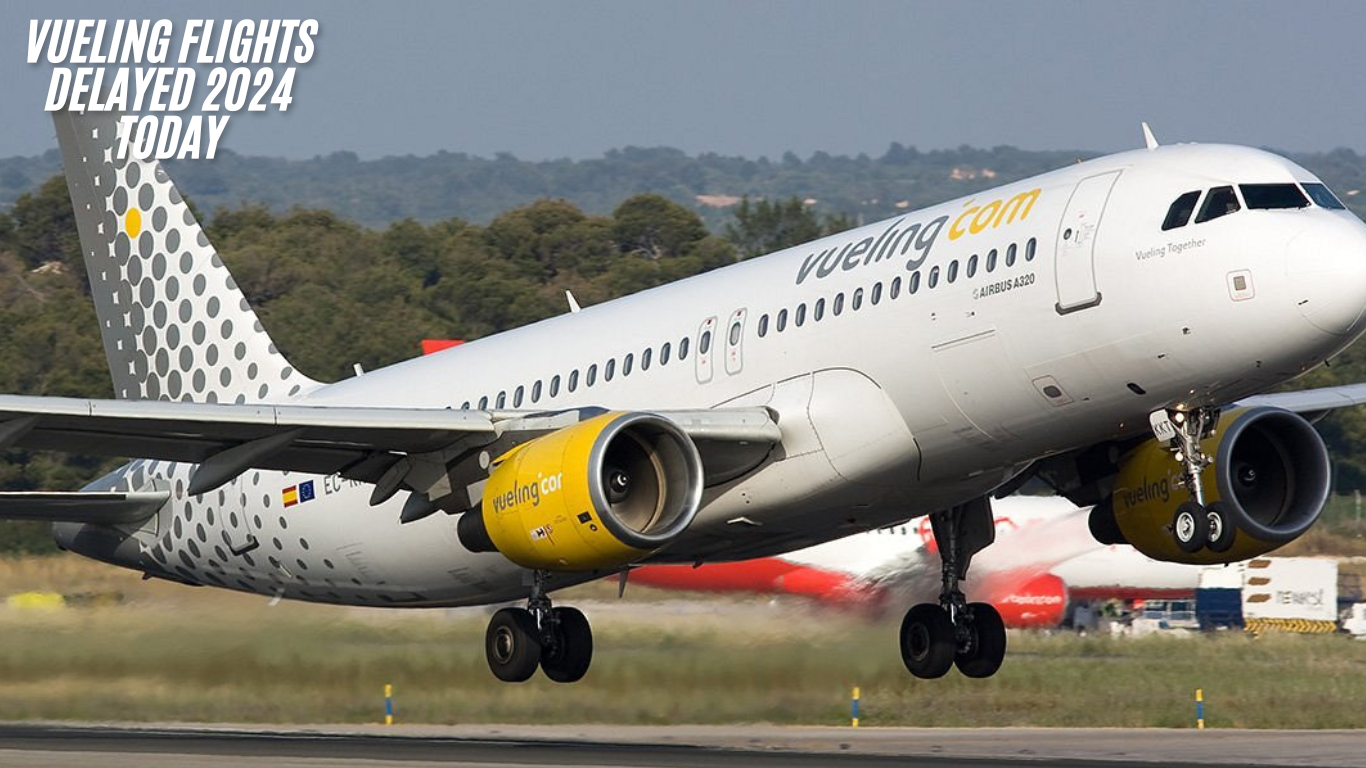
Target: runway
point(123, 746)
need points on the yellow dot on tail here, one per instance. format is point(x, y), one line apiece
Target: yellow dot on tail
point(132, 223)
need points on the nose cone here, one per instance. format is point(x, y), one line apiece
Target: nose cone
point(1326, 266)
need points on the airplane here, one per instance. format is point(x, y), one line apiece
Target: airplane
point(1048, 559)
point(1109, 328)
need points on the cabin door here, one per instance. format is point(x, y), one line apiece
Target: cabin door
point(1075, 266)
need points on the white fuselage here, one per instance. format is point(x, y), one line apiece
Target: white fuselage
point(971, 339)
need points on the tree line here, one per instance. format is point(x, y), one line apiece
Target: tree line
point(376, 193)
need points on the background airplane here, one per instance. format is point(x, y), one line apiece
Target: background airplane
point(1048, 562)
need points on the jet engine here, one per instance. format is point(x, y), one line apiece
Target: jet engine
point(1269, 479)
point(596, 495)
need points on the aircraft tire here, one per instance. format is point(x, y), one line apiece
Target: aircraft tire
point(512, 645)
point(1220, 529)
point(1190, 527)
point(927, 641)
point(983, 657)
point(567, 660)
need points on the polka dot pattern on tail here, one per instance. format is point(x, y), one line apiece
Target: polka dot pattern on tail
point(152, 289)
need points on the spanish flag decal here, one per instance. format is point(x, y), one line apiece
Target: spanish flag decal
point(297, 494)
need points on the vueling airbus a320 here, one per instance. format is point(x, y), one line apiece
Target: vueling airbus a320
point(1107, 327)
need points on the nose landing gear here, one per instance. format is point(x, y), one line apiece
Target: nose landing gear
point(558, 640)
point(1195, 525)
point(935, 637)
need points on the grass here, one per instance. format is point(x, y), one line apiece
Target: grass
point(166, 652)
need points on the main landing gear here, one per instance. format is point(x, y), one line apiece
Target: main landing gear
point(1195, 525)
point(558, 640)
point(935, 637)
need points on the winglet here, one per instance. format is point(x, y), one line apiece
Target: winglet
point(573, 302)
point(1149, 138)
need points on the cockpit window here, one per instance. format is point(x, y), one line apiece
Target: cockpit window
point(1324, 197)
point(1220, 201)
point(1180, 213)
point(1271, 196)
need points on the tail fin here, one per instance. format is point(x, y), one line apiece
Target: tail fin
point(174, 323)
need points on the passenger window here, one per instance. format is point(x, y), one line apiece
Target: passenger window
point(763, 326)
point(536, 392)
point(782, 320)
point(991, 260)
point(664, 354)
point(704, 343)
point(800, 318)
point(517, 396)
point(1271, 196)
point(502, 400)
point(1324, 197)
point(465, 406)
point(573, 379)
point(1179, 214)
point(626, 364)
point(953, 270)
point(818, 311)
point(1010, 255)
point(1221, 201)
point(877, 293)
point(609, 370)
point(735, 334)
point(484, 403)
point(857, 300)
point(645, 359)
point(914, 284)
point(683, 349)
point(934, 277)
point(838, 308)
point(972, 266)
point(895, 290)
point(555, 385)
point(592, 377)
point(1030, 247)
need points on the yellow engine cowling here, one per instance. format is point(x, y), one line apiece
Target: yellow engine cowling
point(596, 495)
point(1270, 474)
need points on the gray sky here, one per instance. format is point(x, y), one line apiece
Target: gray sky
point(755, 77)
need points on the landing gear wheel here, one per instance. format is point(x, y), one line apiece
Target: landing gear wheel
point(567, 658)
point(1190, 527)
point(1220, 529)
point(512, 645)
point(927, 641)
point(986, 646)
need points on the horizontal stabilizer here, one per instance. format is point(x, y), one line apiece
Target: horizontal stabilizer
point(77, 507)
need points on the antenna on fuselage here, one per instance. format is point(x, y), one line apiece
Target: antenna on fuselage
point(1148, 137)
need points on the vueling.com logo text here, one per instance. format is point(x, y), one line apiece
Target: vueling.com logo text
point(978, 218)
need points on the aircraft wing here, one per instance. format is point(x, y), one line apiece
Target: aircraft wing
point(359, 443)
point(1312, 403)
